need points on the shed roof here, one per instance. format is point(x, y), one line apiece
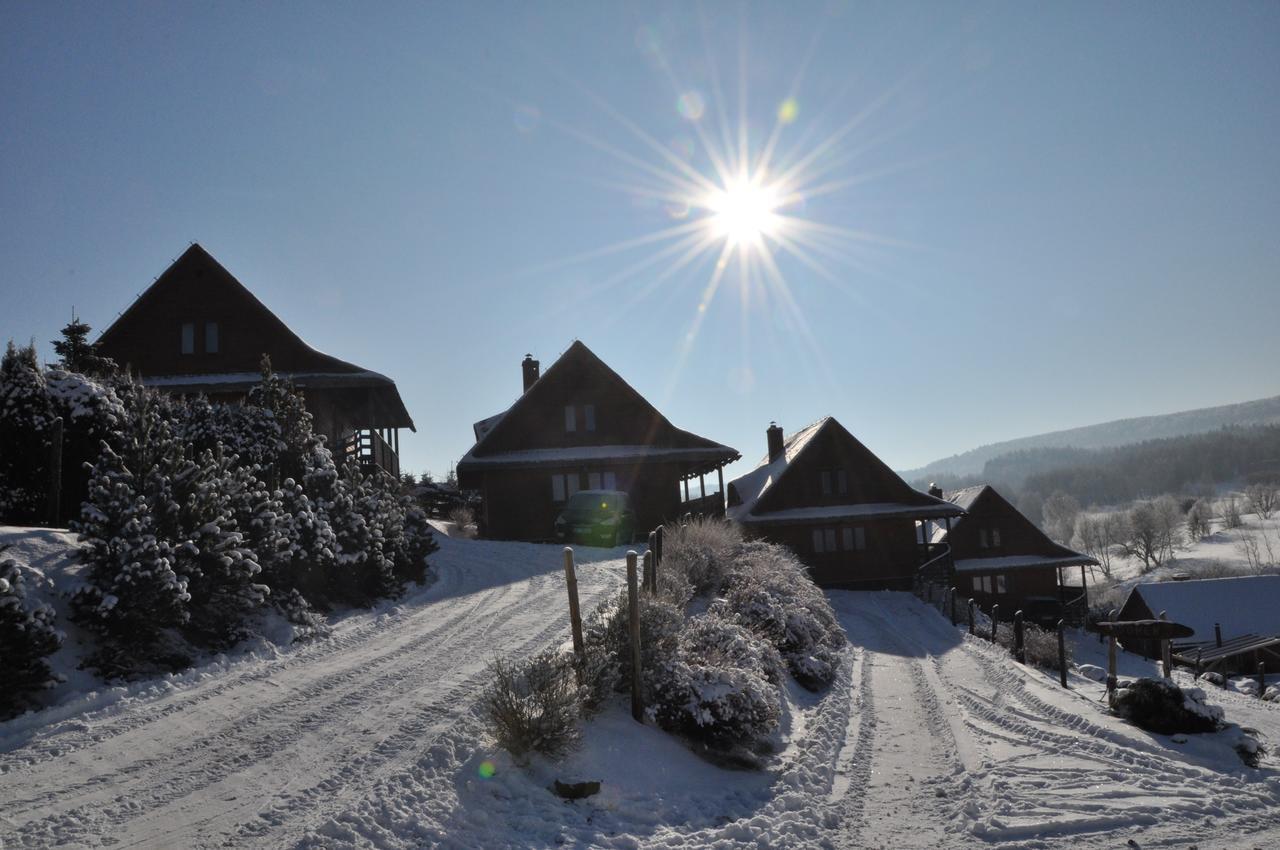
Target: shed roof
point(1242, 605)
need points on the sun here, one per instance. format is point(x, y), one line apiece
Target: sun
point(744, 211)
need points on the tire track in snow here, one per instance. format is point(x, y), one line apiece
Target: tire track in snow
point(134, 794)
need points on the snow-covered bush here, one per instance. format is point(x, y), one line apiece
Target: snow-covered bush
point(1160, 706)
point(607, 642)
point(1039, 645)
point(702, 551)
point(533, 705)
point(768, 592)
point(28, 636)
point(720, 686)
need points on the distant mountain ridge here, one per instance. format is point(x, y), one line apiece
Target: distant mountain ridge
point(1119, 432)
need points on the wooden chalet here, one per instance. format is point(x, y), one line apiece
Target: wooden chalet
point(198, 330)
point(580, 426)
point(1236, 620)
point(1002, 558)
point(846, 514)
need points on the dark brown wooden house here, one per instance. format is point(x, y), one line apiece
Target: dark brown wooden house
point(846, 514)
point(580, 426)
point(1003, 558)
point(199, 330)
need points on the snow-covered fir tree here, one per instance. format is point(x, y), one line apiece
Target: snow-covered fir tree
point(26, 417)
point(28, 635)
point(77, 354)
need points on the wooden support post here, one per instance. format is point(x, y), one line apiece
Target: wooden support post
point(1262, 678)
point(686, 490)
point(1217, 633)
point(953, 606)
point(54, 505)
point(658, 553)
point(1111, 666)
point(702, 489)
point(1062, 652)
point(647, 582)
point(575, 614)
point(633, 605)
point(1166, 659)
point(1019, 650)
point(723, 505)
point(971, 616)
point(995, 621)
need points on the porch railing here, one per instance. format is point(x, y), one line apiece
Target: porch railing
point(370, 449)
point(710, 505)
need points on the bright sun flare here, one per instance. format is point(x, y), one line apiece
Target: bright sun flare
point(744, 211)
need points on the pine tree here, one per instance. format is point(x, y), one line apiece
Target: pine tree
point(78, 354)
point(26, 417)
point(28, 635)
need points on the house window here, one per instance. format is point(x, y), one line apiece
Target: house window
point(1002, 585)
point(846, 538)
point(977, 583)
point(210, 337)
point(986, 584)
point(557, 488)
point(826, 482)
point(817, 540)
point(995, 537)
point(611, 481)
point(860, 538)
point(982, 538)
point(829, 539)
point(593, 481)
point(571, 483)
point(589, 416)
point(188, 337)
point(570, 419)
point(842, 482)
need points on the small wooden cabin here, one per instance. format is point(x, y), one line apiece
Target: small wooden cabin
point(1236, 620)
point(580, 426)
point(198, 330)
point(1002, 558)
point(844, 512)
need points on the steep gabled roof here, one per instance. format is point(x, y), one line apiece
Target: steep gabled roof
point(751, 489)
point(134, 340)
point(662, 440)
point(983, 503)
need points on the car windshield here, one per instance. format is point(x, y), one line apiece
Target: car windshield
point(585, 503)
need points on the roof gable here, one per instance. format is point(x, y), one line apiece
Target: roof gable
point(536, 421)
point(984, 506)
point(773, 486)
point(196, 288)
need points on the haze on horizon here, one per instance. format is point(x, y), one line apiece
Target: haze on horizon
point(1010, 220)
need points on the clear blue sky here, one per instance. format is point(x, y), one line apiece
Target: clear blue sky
point(1076, 207)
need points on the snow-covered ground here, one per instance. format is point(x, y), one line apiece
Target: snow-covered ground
point(929, 738)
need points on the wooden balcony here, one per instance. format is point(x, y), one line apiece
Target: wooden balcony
point(372, 449)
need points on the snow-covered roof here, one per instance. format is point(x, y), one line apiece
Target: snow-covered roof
point(1242, 605)
point(484, 426)
point(753, 485)
point(596, 454)
point(1013, 563)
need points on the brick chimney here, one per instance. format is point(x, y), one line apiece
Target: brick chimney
point(775, 441)
point(935, 491)
point(530, 369)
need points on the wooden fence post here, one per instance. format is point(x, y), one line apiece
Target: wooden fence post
point(633, 601)
point(1111, 666)
point(1062, 652)
point(1019, 650)
point(657, 556)
point(648, 583)
point(971, 616)
point(995, 621)
point(953, 606)
point(1262, 678)
point(575, 615)
point(54, 505)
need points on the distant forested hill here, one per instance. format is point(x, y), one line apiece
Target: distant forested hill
point(1118, 433)
point(1118, 474)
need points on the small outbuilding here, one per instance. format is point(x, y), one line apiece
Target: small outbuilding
point(1002, 558)
point(1236, 620)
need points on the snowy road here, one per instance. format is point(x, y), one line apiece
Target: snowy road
point(264, 753)
point(370, 739)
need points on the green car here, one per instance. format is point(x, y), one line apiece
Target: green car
point(597, 517)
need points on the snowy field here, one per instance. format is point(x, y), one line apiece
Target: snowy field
point(370, 739)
